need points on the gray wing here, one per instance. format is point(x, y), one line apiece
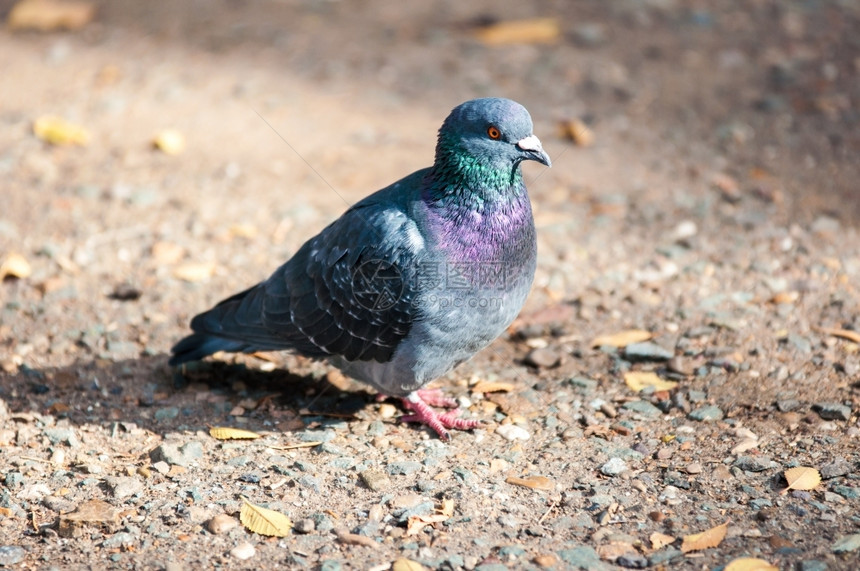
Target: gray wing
point(348, 291)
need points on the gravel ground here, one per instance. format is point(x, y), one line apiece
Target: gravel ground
point(716, 208)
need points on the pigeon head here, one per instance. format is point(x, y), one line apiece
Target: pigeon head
point(485, 140)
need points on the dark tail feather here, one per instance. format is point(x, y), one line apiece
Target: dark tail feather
point(199, 345)
point(233, 325)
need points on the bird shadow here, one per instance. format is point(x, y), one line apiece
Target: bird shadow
point(151, 395)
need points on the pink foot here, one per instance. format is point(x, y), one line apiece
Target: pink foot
point(417, 402)
point(435, 397)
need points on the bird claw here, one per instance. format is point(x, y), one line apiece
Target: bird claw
point(417, 402)
point(435, 397)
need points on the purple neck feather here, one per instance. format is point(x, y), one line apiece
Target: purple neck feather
point(498, 230)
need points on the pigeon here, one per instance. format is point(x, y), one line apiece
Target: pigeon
point(412, 280)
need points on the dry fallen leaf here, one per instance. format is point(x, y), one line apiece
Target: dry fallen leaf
point(88, 513)
point(403, 564)
point(264, 521)
point(786, 297)
point(638, 380)
point(841, 333)
point(344, 536)
point(194, 272)
point(615, 549)
point(706, 539)
point(533, 482)
point(744, 445)
point(167, 252)
point(243, 231)
point(622, 338)
point(532, 31)
point(750, 564)
point(227, 433)
point(48, 15)
point(447, 508)
point(545, 560)
point(802, 478)
point(57, 131)
point(578, 132)
point(296, 446)
point(416, 523)
point(15, 266)
point(659, 540)
point(169, 142)
point(493, 387)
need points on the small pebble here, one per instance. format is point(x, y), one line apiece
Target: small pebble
point(512, 432)
point(11, 555)
point(161, 467)
point(407, 501)
point(543, 358)
point(754, 463)
point(613, 467)
point(243, 551)
point(122, 487)
point(404, 468)
point(834, 469)
point(305, 525)
point(375, 480)
point(706, 413)
point(221, 523)
point(387, 410)
point(694, 468)
point(642, 407)
point(846, 544)
point(647, 351)
point(832, 411)
point(632, 561)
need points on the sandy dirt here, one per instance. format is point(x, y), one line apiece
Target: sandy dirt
point(717, 209)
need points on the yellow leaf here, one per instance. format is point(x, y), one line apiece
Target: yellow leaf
point(786, 297)
point(243, 231)
point(194, 272)
point(403, 564)
point(660, 540)
point(416, 523)
point(534, 31)
point(802, 478)
point(493, 387)
point(534, 482)
point(167, 252)
point(447, 508)
point(842, 333)
point(47, 15)
point(227, 433)
point(169, 142)
point(706, 539)
point(622, 338)
point(750, 564)
point(58, 131)
point(578, 132)
point(15, 266)
point(638, 380)
point(264, 521)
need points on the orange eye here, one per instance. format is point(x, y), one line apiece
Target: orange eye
point(494, 133)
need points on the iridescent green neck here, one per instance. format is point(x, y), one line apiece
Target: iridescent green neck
point(468, 182)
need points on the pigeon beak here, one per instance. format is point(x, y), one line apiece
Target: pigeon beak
point(533, 150)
